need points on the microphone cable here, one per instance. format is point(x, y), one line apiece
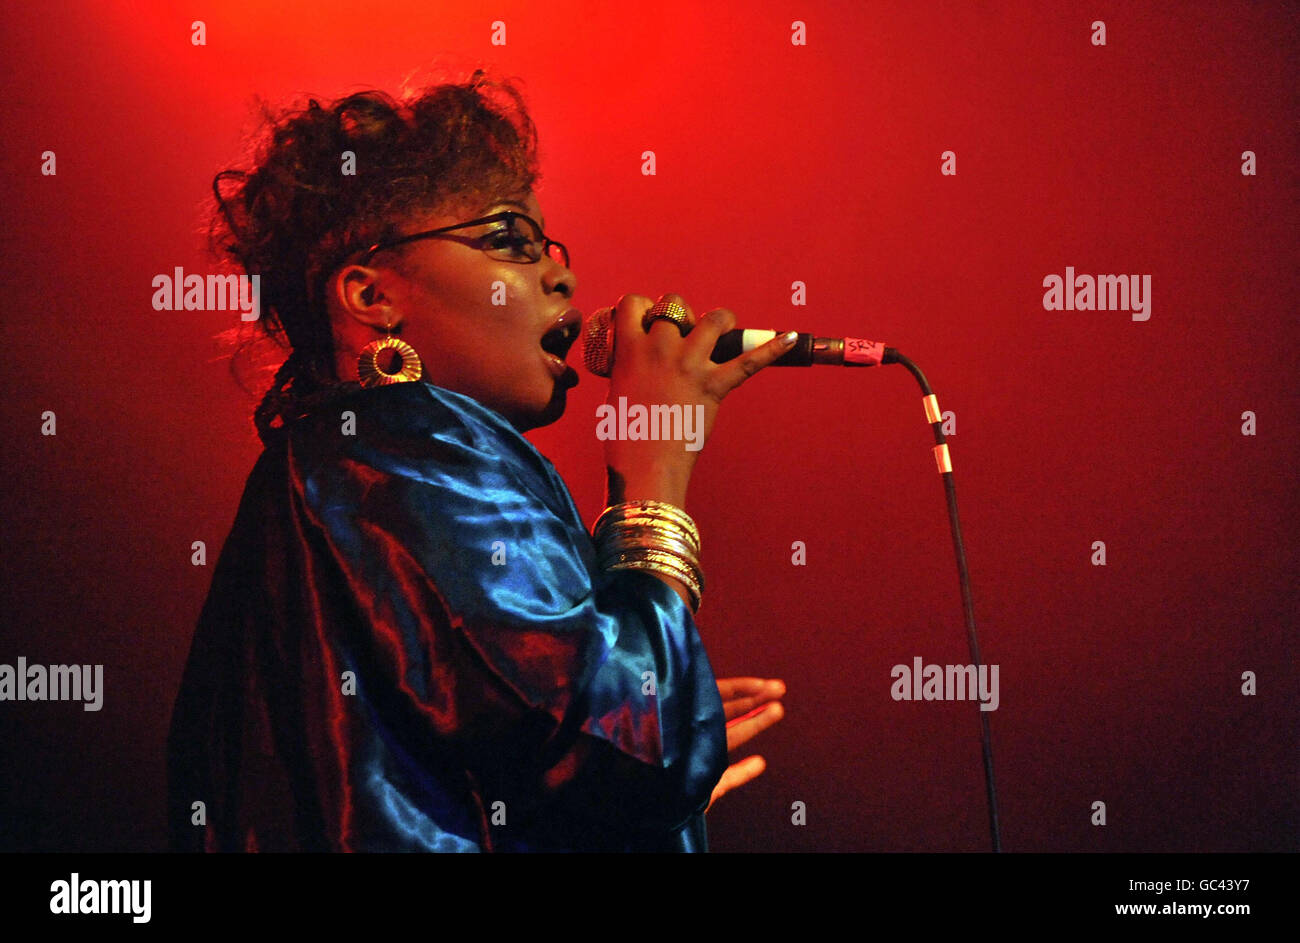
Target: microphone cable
point(944, 463)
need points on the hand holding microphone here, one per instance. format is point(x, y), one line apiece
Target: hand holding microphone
point(661, 354)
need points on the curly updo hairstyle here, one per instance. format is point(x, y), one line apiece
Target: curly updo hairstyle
point(295, 216)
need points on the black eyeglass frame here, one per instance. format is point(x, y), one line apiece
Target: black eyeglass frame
point(475, 242)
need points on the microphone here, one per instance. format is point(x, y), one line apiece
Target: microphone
point(598, 347)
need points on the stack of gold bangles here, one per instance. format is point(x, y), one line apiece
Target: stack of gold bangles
point(651, 535)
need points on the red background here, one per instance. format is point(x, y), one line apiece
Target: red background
point(776, 163)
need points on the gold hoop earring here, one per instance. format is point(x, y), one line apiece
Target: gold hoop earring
point(371, 375)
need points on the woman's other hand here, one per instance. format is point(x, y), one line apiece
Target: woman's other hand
point(751, 706)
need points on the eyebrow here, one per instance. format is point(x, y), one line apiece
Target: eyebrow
point(540, 222)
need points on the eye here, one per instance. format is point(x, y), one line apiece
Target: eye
point(513, 239)
point(505, 239)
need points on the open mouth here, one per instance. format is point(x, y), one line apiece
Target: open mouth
point(557, 341)
point(555, 345)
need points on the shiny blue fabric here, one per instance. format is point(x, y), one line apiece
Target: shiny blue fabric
point(408, 646)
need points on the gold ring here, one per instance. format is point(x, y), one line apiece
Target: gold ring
point(667, 311)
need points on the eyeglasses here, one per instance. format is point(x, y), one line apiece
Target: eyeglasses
point(520, 240)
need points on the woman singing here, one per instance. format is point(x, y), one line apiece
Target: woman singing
point(412, 642)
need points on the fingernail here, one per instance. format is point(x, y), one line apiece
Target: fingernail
point(788, 338)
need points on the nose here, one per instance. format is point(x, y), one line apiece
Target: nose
point(558, 277)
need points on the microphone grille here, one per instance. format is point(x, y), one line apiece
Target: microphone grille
point(598, 342)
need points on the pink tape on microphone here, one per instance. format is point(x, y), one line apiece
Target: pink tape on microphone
point(857, 350)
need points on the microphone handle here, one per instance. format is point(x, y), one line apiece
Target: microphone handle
point(807, 350)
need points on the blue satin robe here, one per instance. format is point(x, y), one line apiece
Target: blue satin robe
point(366, 676)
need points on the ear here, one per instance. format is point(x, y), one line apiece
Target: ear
point(357, 293)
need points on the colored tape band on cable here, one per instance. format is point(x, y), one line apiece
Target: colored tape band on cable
point(932, 413)
point(942, 459)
